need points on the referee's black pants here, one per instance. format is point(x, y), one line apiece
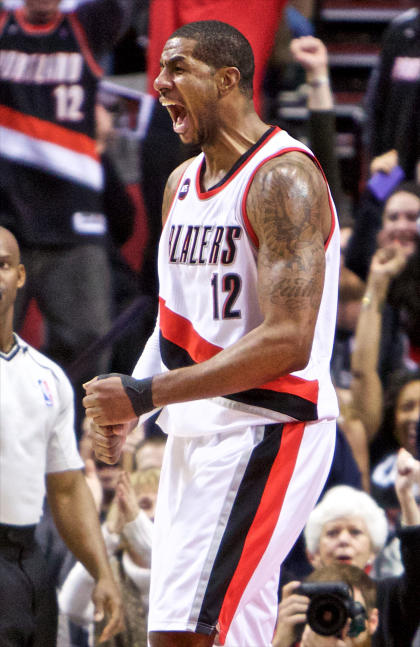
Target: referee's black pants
point(28, 604)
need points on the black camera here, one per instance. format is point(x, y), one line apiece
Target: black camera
point(331, 604)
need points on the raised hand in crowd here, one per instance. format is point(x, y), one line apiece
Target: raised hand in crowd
point(408, 476)
point(126, 508)
point(311, 53)
point(384, 163)
point(388, 261)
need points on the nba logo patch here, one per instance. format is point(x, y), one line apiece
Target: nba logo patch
point(184, 189)
point(48, 399)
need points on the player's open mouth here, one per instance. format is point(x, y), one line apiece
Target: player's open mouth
point(178, 115)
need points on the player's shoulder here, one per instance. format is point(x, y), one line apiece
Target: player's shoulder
point(172, 185)
point(289, 158)
point(290, 187)
point(176, 175)
point(290, 167)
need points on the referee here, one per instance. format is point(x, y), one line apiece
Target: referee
point(38, 454)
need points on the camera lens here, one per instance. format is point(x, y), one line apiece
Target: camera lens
point(327, 615)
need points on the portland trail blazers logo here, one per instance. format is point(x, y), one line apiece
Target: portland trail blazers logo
point(184, 189)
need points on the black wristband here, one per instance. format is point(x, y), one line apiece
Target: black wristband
point(139, 391)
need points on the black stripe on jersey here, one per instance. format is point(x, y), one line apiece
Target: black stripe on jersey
point(288, 403)
point(173, 356)
point(241, 517)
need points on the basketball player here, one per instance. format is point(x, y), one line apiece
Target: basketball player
point(239, 361)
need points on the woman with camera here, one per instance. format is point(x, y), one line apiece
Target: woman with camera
point(348, 527)
point(337, 604)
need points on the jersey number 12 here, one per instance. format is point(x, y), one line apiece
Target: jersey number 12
point(230, 283)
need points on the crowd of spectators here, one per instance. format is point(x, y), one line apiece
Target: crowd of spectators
point(72, 220)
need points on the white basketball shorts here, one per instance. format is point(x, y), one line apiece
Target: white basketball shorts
point(230, 507)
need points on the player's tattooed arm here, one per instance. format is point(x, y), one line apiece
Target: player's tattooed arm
point(289, 210)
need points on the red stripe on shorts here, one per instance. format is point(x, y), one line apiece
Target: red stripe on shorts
point(264, 523)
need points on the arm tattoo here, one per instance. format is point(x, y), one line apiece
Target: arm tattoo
point(285, 203)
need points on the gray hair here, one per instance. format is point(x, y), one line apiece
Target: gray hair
point(346, 501)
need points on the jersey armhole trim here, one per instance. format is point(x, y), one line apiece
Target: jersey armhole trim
point(81, 38)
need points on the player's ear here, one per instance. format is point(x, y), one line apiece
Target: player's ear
point(227, 78)
point(21, 275)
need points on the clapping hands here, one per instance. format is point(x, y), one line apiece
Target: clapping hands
point(125, 508)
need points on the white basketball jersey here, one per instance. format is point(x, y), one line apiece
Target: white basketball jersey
point(208, 300)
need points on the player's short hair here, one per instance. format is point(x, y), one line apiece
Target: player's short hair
point(345, 501)
point(221, 45)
